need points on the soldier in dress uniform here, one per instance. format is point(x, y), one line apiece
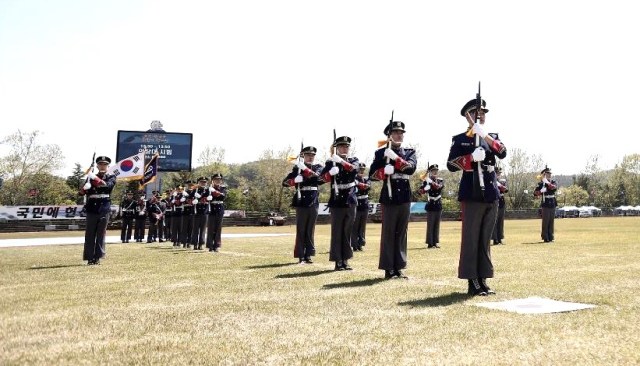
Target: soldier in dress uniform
point(498, 230)
point(479, 205)
point(188, 215)
point(97, 189)
point(201, 204)
point(340, 170)
point(140, 220)
point(363, 185)
point(546, 190)
point(128, 213)
point(154, 212)
point(179, 198)
point(304, 177)
point(161, 221)
point(217, 194)
point(394, 165)
point(168, 208)
point(433, 186)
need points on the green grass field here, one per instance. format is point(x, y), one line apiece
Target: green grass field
point(251, 303)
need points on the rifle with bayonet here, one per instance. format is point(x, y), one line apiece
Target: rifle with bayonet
point(388, 147)
point(333, 151)
point(300, 171)
point(478, 186)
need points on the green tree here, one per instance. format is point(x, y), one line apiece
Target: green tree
point(574, 195)
point(25, 160)
point(520, 172)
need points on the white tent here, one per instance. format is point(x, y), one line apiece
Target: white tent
point(626, 211)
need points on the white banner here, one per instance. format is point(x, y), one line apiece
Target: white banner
point(40, 212)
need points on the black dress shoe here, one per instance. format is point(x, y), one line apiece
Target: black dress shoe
point(308, 260)
point(436, 246)
point(475, 289)
point(346, 266)
point(216, 250)
point(338, 266)
point(90, 262)
point(399, 274)
point(211, 249)
point(389, 274)
point(485, 287)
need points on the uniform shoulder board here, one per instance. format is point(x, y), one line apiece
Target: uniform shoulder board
point(494, 135)
point(381, 147)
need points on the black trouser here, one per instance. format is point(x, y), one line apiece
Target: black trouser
point(127, 226)
point(341, 227)
point(167, 227)
point(187, 227)
point(548, 218)
point(359, 229)
point(305, 232)
point(94, 245)
point(138, 233)
point(433, 227)
point(498, 230)
point(199, 227)
point(478, 219)
point(393, 248)
point(153, 230)
point(214, 230)
point(176, 227)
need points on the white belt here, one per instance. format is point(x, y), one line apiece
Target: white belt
point(309, 188)
point(435, 198)
point(361, 197)
point(400, 176)
point(216, 202)
point(489, 168)
point(99, 196)
point(128, 210)
point(345, 186)
point(549, 196)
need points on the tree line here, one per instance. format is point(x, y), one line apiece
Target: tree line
point(27, 173)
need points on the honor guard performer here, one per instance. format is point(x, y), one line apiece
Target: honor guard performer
point(363, 185)
point(217, 194)
point(304, 177)
point(340, 170)
point(432, 186)
point(178, 200)
point(394, 165)
point(154, 212)
point(128, 213)
point(498, 230)
point(478, 195)
point(167, 208)
point(188, 214)
point(140, 220)
point(97, 190)
point(201, 204)
point(546, 190)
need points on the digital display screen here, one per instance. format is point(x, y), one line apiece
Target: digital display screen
point(173, 148)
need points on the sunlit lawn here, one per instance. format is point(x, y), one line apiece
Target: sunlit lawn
point(251, 303)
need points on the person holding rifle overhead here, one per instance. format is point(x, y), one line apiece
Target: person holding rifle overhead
point(546, 190)
point(432, 186)
point(304, 177)
point(394, 165)
point(97, 188)
point(341, 171)
point(474, 153)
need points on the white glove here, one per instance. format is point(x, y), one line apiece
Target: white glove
point(427, 187)
point(301, 165)
point(479, 130)
point(388, 169)
point(182, 199)
point(545, 180)
point(195, 202)
point(334, 170)
point(544, 189)
point(388, 153)
point(211, 189)
point(197, 195)
point(209, 198)
point(173, 201)
point(429, 181)
point(298, 179)
point(478, 154)
point(141, 213)
point(86, 186)
point(175, 193)
point(337, 159)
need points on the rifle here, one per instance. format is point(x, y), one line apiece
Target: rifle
point(93, 164)
point(300, 170)
point(479, 170)
point(333, 151)
point(388, 147)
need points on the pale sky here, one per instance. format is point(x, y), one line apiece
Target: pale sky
point(561, 78)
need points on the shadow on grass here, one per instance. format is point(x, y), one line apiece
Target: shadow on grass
point(161, 248)
point(360, 283)
point(444, 300)
point(535, 242)
point(304, 274)
point(60, 266)
point(273, 265)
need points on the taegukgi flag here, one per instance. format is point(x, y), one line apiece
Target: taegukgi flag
point(131, 168)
